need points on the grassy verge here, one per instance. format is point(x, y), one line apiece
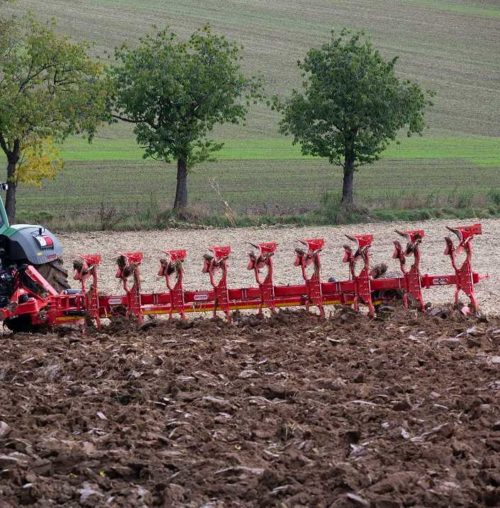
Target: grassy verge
point(480, 151)
point(112, 220)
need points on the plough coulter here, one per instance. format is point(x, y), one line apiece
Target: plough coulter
point(35, 303)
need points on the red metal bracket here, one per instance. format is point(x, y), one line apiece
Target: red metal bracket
point(128, 266)
point(218, 263)
point(83, 271)
point(412, 278)
point(263, 262)
point(27, 300)
point(362, 280)
point(37, 277)
point(304, 259)
point(173, 264)
point(464, 276)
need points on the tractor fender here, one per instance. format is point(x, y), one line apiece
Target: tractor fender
point(35, 244)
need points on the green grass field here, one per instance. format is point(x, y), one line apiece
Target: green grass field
point(140, 191)
point(449, 46)
point(479, 151)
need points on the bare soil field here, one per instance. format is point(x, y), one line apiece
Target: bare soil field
point(486, 254)
point(289, 411)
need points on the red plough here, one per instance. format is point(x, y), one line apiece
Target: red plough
point(36, 302)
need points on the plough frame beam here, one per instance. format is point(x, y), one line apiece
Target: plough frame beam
point(47, 307)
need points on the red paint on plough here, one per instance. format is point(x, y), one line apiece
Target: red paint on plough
point(46, 307)
point(263, 261)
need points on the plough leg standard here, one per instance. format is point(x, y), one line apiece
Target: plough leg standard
point(35, 303)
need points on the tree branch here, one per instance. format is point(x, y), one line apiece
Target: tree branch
point(31, 77)
point(24, 83)
point(3, 145)
point(125, 119)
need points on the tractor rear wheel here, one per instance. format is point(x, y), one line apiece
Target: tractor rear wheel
point(55, 274)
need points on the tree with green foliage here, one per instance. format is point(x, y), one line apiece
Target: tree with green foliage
point(49, 88)
point(352, 105)
point(40, 160)
point(176, 91)
point(4, 26)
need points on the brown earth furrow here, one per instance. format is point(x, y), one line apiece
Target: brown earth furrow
point(289, 411)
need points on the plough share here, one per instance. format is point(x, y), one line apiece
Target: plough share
point(34, 303)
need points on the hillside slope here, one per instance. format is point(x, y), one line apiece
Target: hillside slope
point(451, 47)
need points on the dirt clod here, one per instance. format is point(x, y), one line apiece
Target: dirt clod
point(286, 411)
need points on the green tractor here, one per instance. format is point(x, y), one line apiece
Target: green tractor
point(24, 244)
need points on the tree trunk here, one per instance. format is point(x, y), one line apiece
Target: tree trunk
point(10, 198)
point(181, 192)
point(348, 181)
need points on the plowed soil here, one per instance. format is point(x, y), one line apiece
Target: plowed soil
point(288, 411)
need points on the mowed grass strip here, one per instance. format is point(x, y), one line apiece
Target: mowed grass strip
point(258, 186)
point(480, 151)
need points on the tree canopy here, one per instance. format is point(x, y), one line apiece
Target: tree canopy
point(49, 87)
point(352, 105)
point(40, 160)
point(176, 91)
